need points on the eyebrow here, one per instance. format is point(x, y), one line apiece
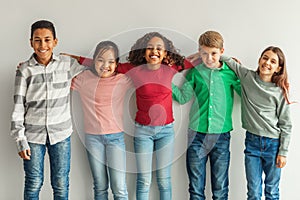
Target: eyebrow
point(270, 58)
point(47, 37)
point(111, 59)
point(159, 45)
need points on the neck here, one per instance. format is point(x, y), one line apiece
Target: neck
point(43, 61)
point(265, 78)
point(153, 67)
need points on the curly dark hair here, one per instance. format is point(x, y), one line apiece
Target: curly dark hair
point(137, 52)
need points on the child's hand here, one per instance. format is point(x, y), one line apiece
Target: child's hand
point(25, 154)
point(280, 161)
point(19, 64)
point(195, 58)
point(236, 60)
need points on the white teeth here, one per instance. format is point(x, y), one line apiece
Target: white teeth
point(43, 51)
point(154, 56)
point(105, 70)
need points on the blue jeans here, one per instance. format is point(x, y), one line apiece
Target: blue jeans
point(59, 156)
point(107, 159)
point(200, 148)
point(260, 156)
point(158, 140)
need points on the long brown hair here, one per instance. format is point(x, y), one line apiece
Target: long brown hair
point(279, 78)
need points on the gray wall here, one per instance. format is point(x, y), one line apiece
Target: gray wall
point(247, 26)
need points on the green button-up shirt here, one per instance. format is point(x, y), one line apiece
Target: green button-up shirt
point(211, 110)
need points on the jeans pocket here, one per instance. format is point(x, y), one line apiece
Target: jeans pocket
point(191, 136)
point(225, 136)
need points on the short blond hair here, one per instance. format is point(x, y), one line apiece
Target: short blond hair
point(211, 39)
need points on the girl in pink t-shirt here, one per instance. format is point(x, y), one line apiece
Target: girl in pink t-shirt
point(102, 91)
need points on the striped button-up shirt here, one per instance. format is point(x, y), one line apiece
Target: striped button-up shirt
point(42, 101)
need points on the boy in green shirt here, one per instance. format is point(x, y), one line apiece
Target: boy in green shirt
point(212, 83)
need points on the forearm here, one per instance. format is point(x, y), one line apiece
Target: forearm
point(182, 95)
point(18, 114)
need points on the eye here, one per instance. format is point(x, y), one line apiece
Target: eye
point(273, 62)
point(150, 48)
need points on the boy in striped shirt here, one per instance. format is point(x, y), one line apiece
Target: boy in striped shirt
point(41, 117)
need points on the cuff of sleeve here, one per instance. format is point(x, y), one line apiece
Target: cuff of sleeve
point(283, 153)
point(85, 61)
point(81, 59)
point(22, 145)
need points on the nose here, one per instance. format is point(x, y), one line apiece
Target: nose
point(209, 57)
point(268, 61)
point(105, 65)
point(42, 43)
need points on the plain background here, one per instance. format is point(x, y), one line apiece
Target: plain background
point(248, 27)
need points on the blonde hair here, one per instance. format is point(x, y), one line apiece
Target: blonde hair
point(211, 39)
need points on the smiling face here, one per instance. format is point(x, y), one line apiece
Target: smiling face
point(43, 43)
point(211, 56)
point(155, 52)
point(268, 65)
point(105, 63)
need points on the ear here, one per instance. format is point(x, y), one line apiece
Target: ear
point(222, 51)
point(55, 42)
point(278, 69)
point(30, 41)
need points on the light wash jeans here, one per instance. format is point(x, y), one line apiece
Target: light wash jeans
point(158, 140)
point(107, 159)
point(59, 156)
point(260, 156)
point(200, 148)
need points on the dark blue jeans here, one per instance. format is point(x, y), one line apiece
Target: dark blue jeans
point(260, 156)
point(59, 156)
point(200, 148)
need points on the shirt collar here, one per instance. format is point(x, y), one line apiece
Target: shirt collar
point(33, 61)
point(224, 66)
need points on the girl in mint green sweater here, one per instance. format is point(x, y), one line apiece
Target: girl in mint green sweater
point(266, 117)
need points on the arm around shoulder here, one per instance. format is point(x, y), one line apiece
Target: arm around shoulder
point(237, 67)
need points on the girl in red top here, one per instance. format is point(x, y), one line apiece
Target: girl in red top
point(156, 61)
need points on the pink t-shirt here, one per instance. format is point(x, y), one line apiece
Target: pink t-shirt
point(102, 101)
